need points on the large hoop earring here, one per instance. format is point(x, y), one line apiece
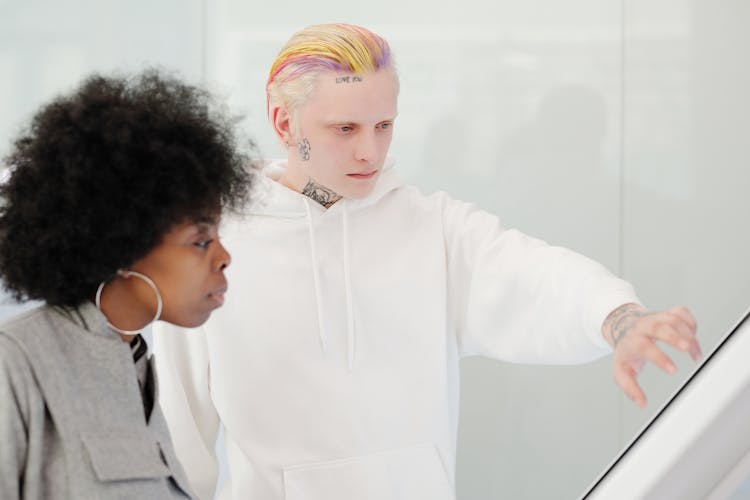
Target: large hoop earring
point(128, 274)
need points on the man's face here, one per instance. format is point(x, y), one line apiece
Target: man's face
point(345, 129)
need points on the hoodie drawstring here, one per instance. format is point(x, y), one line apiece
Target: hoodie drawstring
point(348, 284)
point(350, 333)
point(316, 278)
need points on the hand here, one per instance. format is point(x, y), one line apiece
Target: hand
point(632, 331)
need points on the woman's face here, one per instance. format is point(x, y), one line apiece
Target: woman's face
point(187, 267)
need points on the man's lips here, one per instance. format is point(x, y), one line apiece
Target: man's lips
point(363, 175)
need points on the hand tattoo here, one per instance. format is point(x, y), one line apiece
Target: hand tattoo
point(321, 194)
point(304, 149)
point(622, 320)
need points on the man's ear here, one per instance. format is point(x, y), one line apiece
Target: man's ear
point(282, 124)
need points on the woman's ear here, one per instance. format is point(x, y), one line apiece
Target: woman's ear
point(282, 125)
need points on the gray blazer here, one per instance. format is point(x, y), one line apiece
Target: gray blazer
point(72, 423)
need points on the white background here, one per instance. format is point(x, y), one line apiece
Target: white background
point(619, 128)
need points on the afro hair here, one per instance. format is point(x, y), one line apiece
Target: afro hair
point(99, 176)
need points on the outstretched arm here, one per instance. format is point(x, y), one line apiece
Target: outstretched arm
point(633, 332)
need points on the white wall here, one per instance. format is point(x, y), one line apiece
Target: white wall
point(617, 128)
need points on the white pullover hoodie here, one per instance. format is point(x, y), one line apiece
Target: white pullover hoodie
point(334, 363)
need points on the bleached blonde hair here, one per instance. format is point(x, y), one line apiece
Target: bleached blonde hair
point(320, 48)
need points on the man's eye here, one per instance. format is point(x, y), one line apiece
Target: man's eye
point(386, 125)
point(203, 243)
point(345, 128)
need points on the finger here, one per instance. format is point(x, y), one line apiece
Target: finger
point(688, 342)
point(683, 321)
point(694, 349)
point(626, 378)
point(672, 332)
point(675, 331)
point(696, 353)
point(651, 352)
point(684, 313)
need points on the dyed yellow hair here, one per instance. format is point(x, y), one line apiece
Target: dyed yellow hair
point(320, 48)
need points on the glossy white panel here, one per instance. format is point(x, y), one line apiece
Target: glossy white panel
point(48, 47)
point(686, 136)
point(536, 142)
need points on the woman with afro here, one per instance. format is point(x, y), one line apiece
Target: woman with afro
point(109, 215)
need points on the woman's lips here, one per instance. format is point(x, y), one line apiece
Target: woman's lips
point(217, 296)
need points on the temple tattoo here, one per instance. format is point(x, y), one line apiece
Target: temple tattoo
point(348, 79)
point(319, 193)
point(622, 320)
point(304, 149)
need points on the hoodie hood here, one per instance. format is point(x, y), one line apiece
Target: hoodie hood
point(272, 199)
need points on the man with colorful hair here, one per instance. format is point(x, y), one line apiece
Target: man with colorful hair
point(334, 365)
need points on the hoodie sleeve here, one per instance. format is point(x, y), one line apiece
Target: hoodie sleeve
point(181, 358)
point(516, 298)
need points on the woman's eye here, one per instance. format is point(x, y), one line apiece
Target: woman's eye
point(203, 244)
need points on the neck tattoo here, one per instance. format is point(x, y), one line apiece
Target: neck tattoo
point(319, 193)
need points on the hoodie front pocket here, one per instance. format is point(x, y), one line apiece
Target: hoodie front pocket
point(412, 473)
